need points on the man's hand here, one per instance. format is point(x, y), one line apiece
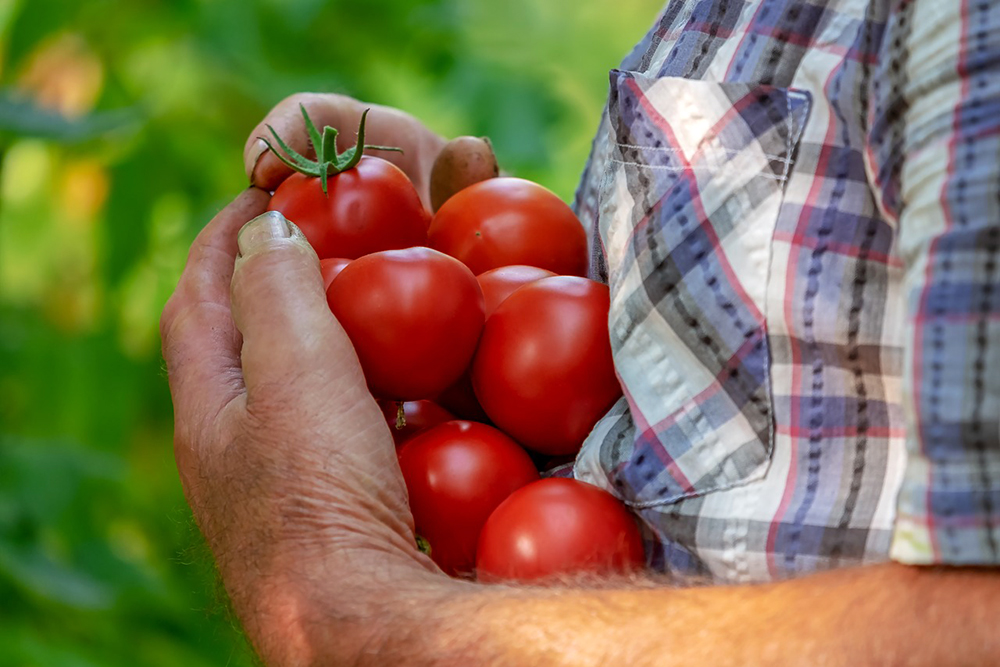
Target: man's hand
point(283, 454)
point(385, 127)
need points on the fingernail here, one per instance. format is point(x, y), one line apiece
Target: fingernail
point(264, 228)
point(253, 157)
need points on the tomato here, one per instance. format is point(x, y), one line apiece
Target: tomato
point(414, 317)
point(331, 268)
point(347, 204)
point(418, 416)
point(504, 221)
point(460, 399)
point(370, 207)
point(543, 371)
point(558, 526)
point(498, 284)
point(456, 474)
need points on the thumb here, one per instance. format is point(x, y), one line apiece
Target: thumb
point(280, 308)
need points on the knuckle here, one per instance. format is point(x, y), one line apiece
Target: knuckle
point(196, 252)
point(169, 315)
point(273, 408)
point(290, 105)
point(322, 107)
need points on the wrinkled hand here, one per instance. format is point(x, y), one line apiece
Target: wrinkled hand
point(283, 454)
point(385, 127)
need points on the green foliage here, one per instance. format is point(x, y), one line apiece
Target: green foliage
point(122, 125)
point(21, 117)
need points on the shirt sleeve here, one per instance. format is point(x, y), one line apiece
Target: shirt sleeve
point(933, 156)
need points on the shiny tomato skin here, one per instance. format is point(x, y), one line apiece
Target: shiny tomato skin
point(558, 527)
point(456, 474)
point(414, 317)
point(505, 221)
point(543, 371)
point(498, 284)
point(331, 268)
point(418, 416)
point(369, 208)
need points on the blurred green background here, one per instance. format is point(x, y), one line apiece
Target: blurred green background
point(121, 132)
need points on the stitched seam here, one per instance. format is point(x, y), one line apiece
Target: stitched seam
point(725, 151)
point(701, 170)
point(788, 135)
point(979, 396)
point(816, 367)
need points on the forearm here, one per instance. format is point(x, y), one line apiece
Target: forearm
point(885, 615)
point(879, 615)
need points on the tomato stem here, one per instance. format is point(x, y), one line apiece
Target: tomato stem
point(400, 416)
point(328, 161)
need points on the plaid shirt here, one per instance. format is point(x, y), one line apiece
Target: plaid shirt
point(795, 204)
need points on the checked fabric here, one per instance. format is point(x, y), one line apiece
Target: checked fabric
point(796, 205)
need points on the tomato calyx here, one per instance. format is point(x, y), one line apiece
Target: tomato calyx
point(400, 416)
point(423, 545)
point(328, 161)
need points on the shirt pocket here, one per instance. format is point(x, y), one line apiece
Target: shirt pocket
point(687, 213)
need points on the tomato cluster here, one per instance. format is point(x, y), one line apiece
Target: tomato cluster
point(487, 349)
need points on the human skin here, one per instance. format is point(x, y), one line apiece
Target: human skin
point(385, 126)
point(291, 474)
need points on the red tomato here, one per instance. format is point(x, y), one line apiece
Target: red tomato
point(504, 221)
point(498, 284)
point(418, 416)
point(370, 207)
point(456, 475)
point(558, 526)
point(414, 317)
point(543, 371)
point(461, 400)
point(331, 268)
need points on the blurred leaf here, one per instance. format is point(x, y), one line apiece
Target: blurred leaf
point(45, 478)
point(8, 9)
point(37, 573)
point(40, 483)
point(21, 117)
point(22, 646)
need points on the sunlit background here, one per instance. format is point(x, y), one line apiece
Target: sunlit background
point(121, 132)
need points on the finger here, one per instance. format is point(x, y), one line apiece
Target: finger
point(201, 344)
point(291, 340)
point(303, 378)
point(264, 169)
point(421, 147)
point(462, 162)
